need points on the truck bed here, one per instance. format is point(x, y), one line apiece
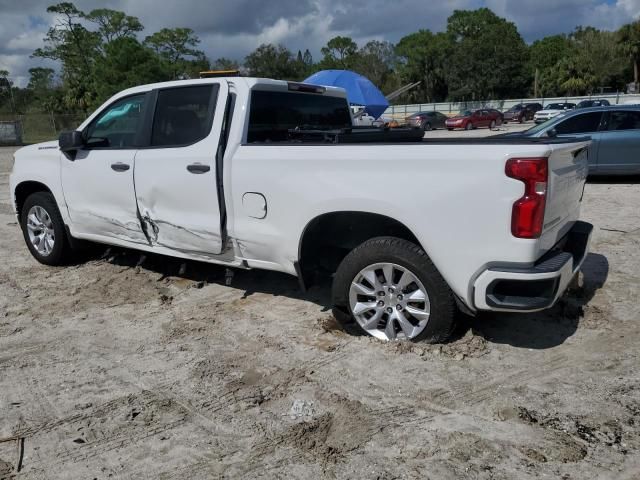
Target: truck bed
point(384, 136)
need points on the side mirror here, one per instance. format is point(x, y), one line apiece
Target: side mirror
point(552, 133)
point(71, 141)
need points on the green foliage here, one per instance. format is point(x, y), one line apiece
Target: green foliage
point(423, 58)
point(177, 47)
point(376, 60)
point(113, 25)
point(548, 51)
point(339, 53)
point(488, 56)
point(480, 56)
point(225, 64)
point(100, 55)
point(76, 48)
point(273, 61)
point(629, 41)
point(126, 63)
point(304, 64)
point(584, 62)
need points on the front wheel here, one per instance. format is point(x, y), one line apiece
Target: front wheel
point(492, 125)
point(388, 288)
point(469, 126)
point(427, 127)
point(43, 229)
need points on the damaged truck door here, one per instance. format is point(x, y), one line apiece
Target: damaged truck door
point(175, 176)
point(97, 179)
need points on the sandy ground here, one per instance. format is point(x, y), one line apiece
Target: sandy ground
point(113, 371)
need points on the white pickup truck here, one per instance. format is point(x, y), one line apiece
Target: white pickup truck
point(257, 173)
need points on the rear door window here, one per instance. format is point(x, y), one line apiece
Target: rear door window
point(183, 115)
point(273, 114)
point(622, 120)
point(585, 123)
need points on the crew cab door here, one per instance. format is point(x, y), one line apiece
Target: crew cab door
point(98, 181)
point(175, 175)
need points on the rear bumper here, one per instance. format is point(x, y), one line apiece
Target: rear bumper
point(536, 287)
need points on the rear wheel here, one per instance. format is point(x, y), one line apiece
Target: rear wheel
point(469, 126)
point(43, 229)
point(492, 125)
point(426, 127)
point(450, 129)
point(388, 288)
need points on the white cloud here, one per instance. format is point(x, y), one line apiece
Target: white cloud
point(234, 29)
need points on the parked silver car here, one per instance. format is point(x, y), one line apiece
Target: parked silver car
point(614, 131)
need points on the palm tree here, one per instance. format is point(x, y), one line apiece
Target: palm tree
point(629, 38)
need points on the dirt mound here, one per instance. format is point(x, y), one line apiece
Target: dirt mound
point(332, 435)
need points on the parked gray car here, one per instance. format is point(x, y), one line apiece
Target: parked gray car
point(427, 120)
point(614, 131)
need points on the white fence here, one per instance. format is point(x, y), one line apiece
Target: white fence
point(402, 111)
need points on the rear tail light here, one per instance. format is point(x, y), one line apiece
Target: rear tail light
point(527, 216)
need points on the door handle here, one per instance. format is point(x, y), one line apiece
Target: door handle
point(198, 168)
point(119, 167)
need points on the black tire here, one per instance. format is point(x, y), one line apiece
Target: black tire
point(469, 126)
point(61, 251)
point(521, 119)
point(427, 127)
point(450, 129)
point(441, 322)
point(492, 125)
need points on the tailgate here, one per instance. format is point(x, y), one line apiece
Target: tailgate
point(568, 168)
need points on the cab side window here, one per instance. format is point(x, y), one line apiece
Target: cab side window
point(629, 120)
point(585, 123)
point(183, 115)
point(118, 125)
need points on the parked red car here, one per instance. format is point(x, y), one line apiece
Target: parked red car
point(470, 119)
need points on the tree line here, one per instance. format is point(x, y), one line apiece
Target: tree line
point(479, 56)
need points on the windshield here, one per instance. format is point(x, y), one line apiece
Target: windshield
point(555, 106)
point(465, 113)
point(516, 108)
point(540, 127)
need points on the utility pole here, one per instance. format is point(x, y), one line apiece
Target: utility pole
point(535, 84)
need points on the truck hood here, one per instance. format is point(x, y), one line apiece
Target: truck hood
point(40, 149)
point(548, 112)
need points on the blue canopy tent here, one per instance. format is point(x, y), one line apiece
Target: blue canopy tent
point(360, 90)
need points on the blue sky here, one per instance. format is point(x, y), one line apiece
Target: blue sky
point(234, 28)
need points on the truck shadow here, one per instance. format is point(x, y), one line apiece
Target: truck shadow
point(539, 330)
point(201, 273)
point(548, 328)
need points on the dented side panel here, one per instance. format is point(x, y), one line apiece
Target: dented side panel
point(178, 205)
point(178, 210)
point(101, 201)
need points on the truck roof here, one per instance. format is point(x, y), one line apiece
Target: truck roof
point(248, 82)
